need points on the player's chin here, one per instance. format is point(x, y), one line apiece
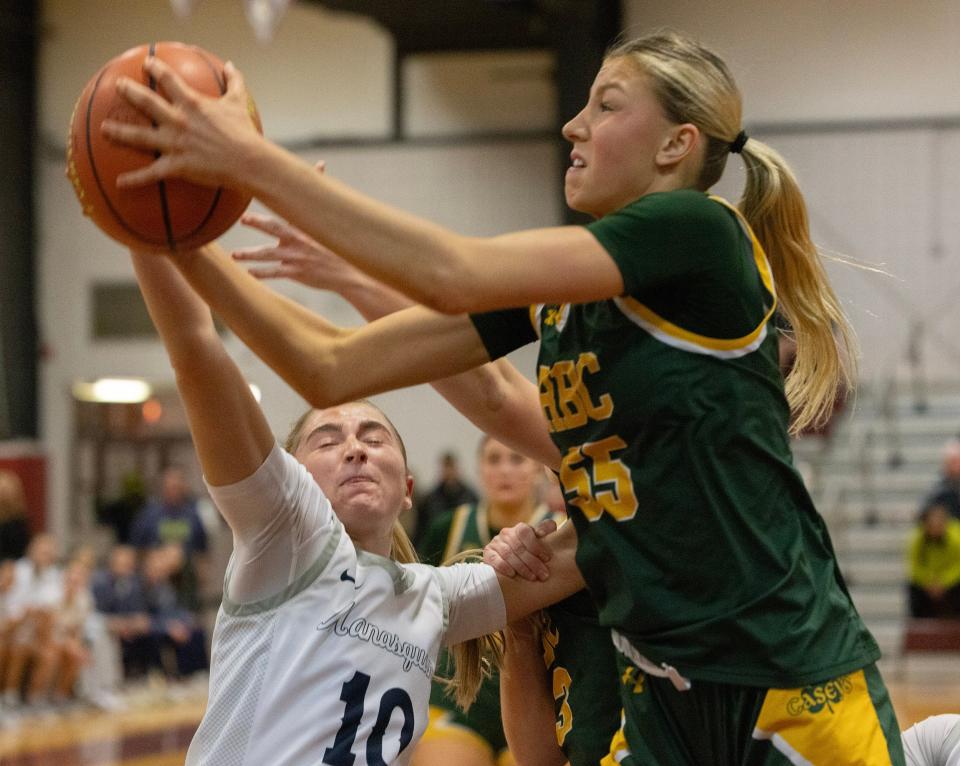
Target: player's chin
point(576, 198)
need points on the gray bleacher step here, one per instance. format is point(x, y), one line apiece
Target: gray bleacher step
point(882, 511)
point(888, 634)
point(884, 602)
point(872, 540)
point(875, 571)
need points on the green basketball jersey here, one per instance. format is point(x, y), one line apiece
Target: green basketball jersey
point(582, 666)
point(697, 537)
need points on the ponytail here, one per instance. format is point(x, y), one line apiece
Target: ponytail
point(825, 366)
point(474, 660)
point(694, 85)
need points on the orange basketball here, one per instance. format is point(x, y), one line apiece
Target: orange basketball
point(171, 214)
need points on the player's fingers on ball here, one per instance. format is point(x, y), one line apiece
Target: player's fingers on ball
point(153, 172)
point(171, 83)
point(138, 136)
point(151, 103)
point(234, 79)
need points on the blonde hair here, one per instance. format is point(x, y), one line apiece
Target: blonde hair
point(694, 85)
point(474, 660)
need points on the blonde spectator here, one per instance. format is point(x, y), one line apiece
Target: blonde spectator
point(58, 661)
point(35, 595)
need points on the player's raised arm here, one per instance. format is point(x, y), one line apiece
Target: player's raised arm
point(211, 140)
point(495, 397)
point(229, 430)
point(325, 363)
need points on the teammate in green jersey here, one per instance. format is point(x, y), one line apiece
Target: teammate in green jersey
point(666, 415)
point(509, 482)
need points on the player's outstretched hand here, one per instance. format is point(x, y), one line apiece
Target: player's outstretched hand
point(520, 551)
point(199, 138)
point(295, 255)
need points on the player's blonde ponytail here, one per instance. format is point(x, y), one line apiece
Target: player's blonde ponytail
point(694, 85)
point(475, 660)
point(825, 365)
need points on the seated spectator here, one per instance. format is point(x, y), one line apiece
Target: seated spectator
point(14, 530)
point(946, 491)
point(35, 596)
point(57, 661)
point(934, 564)
point(7, 622)
point(171, 624)
point(118, 596)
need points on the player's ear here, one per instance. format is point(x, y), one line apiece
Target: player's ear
point(679, 142)
point(408, 499)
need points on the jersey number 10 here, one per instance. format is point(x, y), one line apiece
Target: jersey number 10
point(353, 694)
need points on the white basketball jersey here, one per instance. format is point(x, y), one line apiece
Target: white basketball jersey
point(334, 670)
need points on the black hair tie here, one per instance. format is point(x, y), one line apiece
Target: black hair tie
point(736, 146)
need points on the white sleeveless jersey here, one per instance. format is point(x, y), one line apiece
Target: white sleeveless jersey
point(336, 668)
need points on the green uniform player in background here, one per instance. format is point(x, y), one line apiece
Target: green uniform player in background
point(510, 485)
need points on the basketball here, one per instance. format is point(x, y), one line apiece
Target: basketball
point(168, 215)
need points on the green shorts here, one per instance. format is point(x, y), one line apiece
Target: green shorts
point(845, 720)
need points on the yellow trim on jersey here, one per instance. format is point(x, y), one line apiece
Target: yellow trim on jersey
point(483, 524)
point(457, 528)
point(440, 727)
point(834, 722)
point(724, 348)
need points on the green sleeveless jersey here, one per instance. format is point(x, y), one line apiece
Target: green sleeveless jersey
point(697, 537)
point(582, 668)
